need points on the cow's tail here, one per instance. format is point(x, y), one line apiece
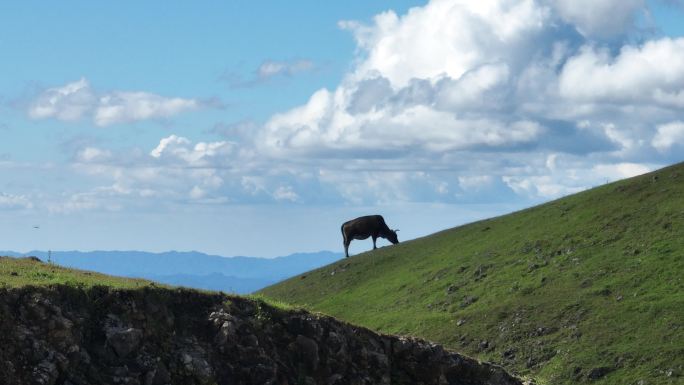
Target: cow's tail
point(344, 236)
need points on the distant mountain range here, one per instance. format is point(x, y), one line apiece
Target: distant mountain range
point(239, 275)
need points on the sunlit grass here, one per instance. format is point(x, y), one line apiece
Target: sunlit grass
point(18, 272)
point(595, 279)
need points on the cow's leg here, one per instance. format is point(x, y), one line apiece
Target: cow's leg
point(374, 239)
point(345, 242)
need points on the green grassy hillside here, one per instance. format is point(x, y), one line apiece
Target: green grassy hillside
point(588, 288)
point(19, 272)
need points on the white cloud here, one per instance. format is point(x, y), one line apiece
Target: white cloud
point(449, 85)
point(178, 148)
point(451, 77)
point(171, 143)
point(124, 107)
point(285, 193)
point(456, 101)
point(572, 178)
point(543, 186)
point(271, 68)
point(446, 38)
point(650, 73)
point(98, 198)
point(668, 135)
point(176, 170)
point(324, 124)
point(600, 18)
point(474, 182)
point(92, 154)
point(11, 201)
point(620, 170)
point(77, 100)
point(69, 102)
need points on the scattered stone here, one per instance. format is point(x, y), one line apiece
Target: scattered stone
point(596, 373)
point(509, 353)
point(577, 372)
point(468, 300)
point(604, 292)
point(576, 334)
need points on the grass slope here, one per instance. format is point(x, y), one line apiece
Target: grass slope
point(20, 272)
point(588, 286)
point(27, 272)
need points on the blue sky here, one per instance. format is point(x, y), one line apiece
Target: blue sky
point(257, 128)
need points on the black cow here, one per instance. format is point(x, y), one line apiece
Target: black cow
point(364, 227)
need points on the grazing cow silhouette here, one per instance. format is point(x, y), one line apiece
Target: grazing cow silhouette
point(364, 227)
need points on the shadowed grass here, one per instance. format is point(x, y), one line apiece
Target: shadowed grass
point(555, 292)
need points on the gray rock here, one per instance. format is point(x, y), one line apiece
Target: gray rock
point(596, 373)
point(309, 351)
point(45, 373)
point(198, 339)
point(123, 340)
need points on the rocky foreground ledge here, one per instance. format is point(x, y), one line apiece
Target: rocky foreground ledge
point(155, 336)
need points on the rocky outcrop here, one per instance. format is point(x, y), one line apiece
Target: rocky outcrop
point(154, 336)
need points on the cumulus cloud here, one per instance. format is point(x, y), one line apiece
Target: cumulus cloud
point(454, 101)
point(650, 73)
point(176, 170)
point(600, 18)
point(450, 86)
point(668, 135)
point(572, 177)
point(77, 100)
point(175, 148)
point(324, 126)
point(446, 38)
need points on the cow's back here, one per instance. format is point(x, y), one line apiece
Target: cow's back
point(364, 224)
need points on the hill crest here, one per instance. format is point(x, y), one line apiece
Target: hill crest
point(586, 287)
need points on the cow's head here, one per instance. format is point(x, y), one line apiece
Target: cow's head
point(392, 236)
